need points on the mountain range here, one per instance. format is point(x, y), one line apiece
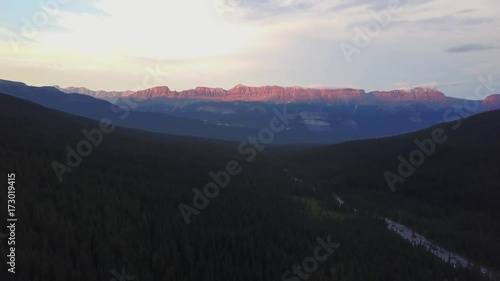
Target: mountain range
point(276, 94)
point(320, 115)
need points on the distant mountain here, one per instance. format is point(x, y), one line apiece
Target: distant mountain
point(256, 94)
point(97, 109)
point(336, 114)
point(422, 95)
point(274, 94)
point(277, 94)
point(109, 96)
point(491, 102)
point(348, 113)
point(320, 115)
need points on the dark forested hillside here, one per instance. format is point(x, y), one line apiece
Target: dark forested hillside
point(117, 212)
point(450, 194)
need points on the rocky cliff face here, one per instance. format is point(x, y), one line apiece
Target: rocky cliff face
point(97, 94)
point(491, 102)
point(152, 93)
point(416, 94)
point(274, 94)
point(245, 93)
point(293, 94)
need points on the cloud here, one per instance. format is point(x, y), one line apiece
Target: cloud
point(332, 87)
point(378, 5)
point(234, 10)
point(437, 85)
point(465, 48)
point(254, 10)
point(466, 11)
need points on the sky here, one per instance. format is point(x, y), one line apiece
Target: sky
point(366, 44)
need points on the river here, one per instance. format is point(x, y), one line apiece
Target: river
point(419, 240)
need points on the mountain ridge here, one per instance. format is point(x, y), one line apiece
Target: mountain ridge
point(323, 116)
point(273, 93)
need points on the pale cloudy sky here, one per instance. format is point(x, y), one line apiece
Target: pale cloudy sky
point(120, 44)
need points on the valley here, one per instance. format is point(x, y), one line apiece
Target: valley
point(249, 140)
point(130, 186)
